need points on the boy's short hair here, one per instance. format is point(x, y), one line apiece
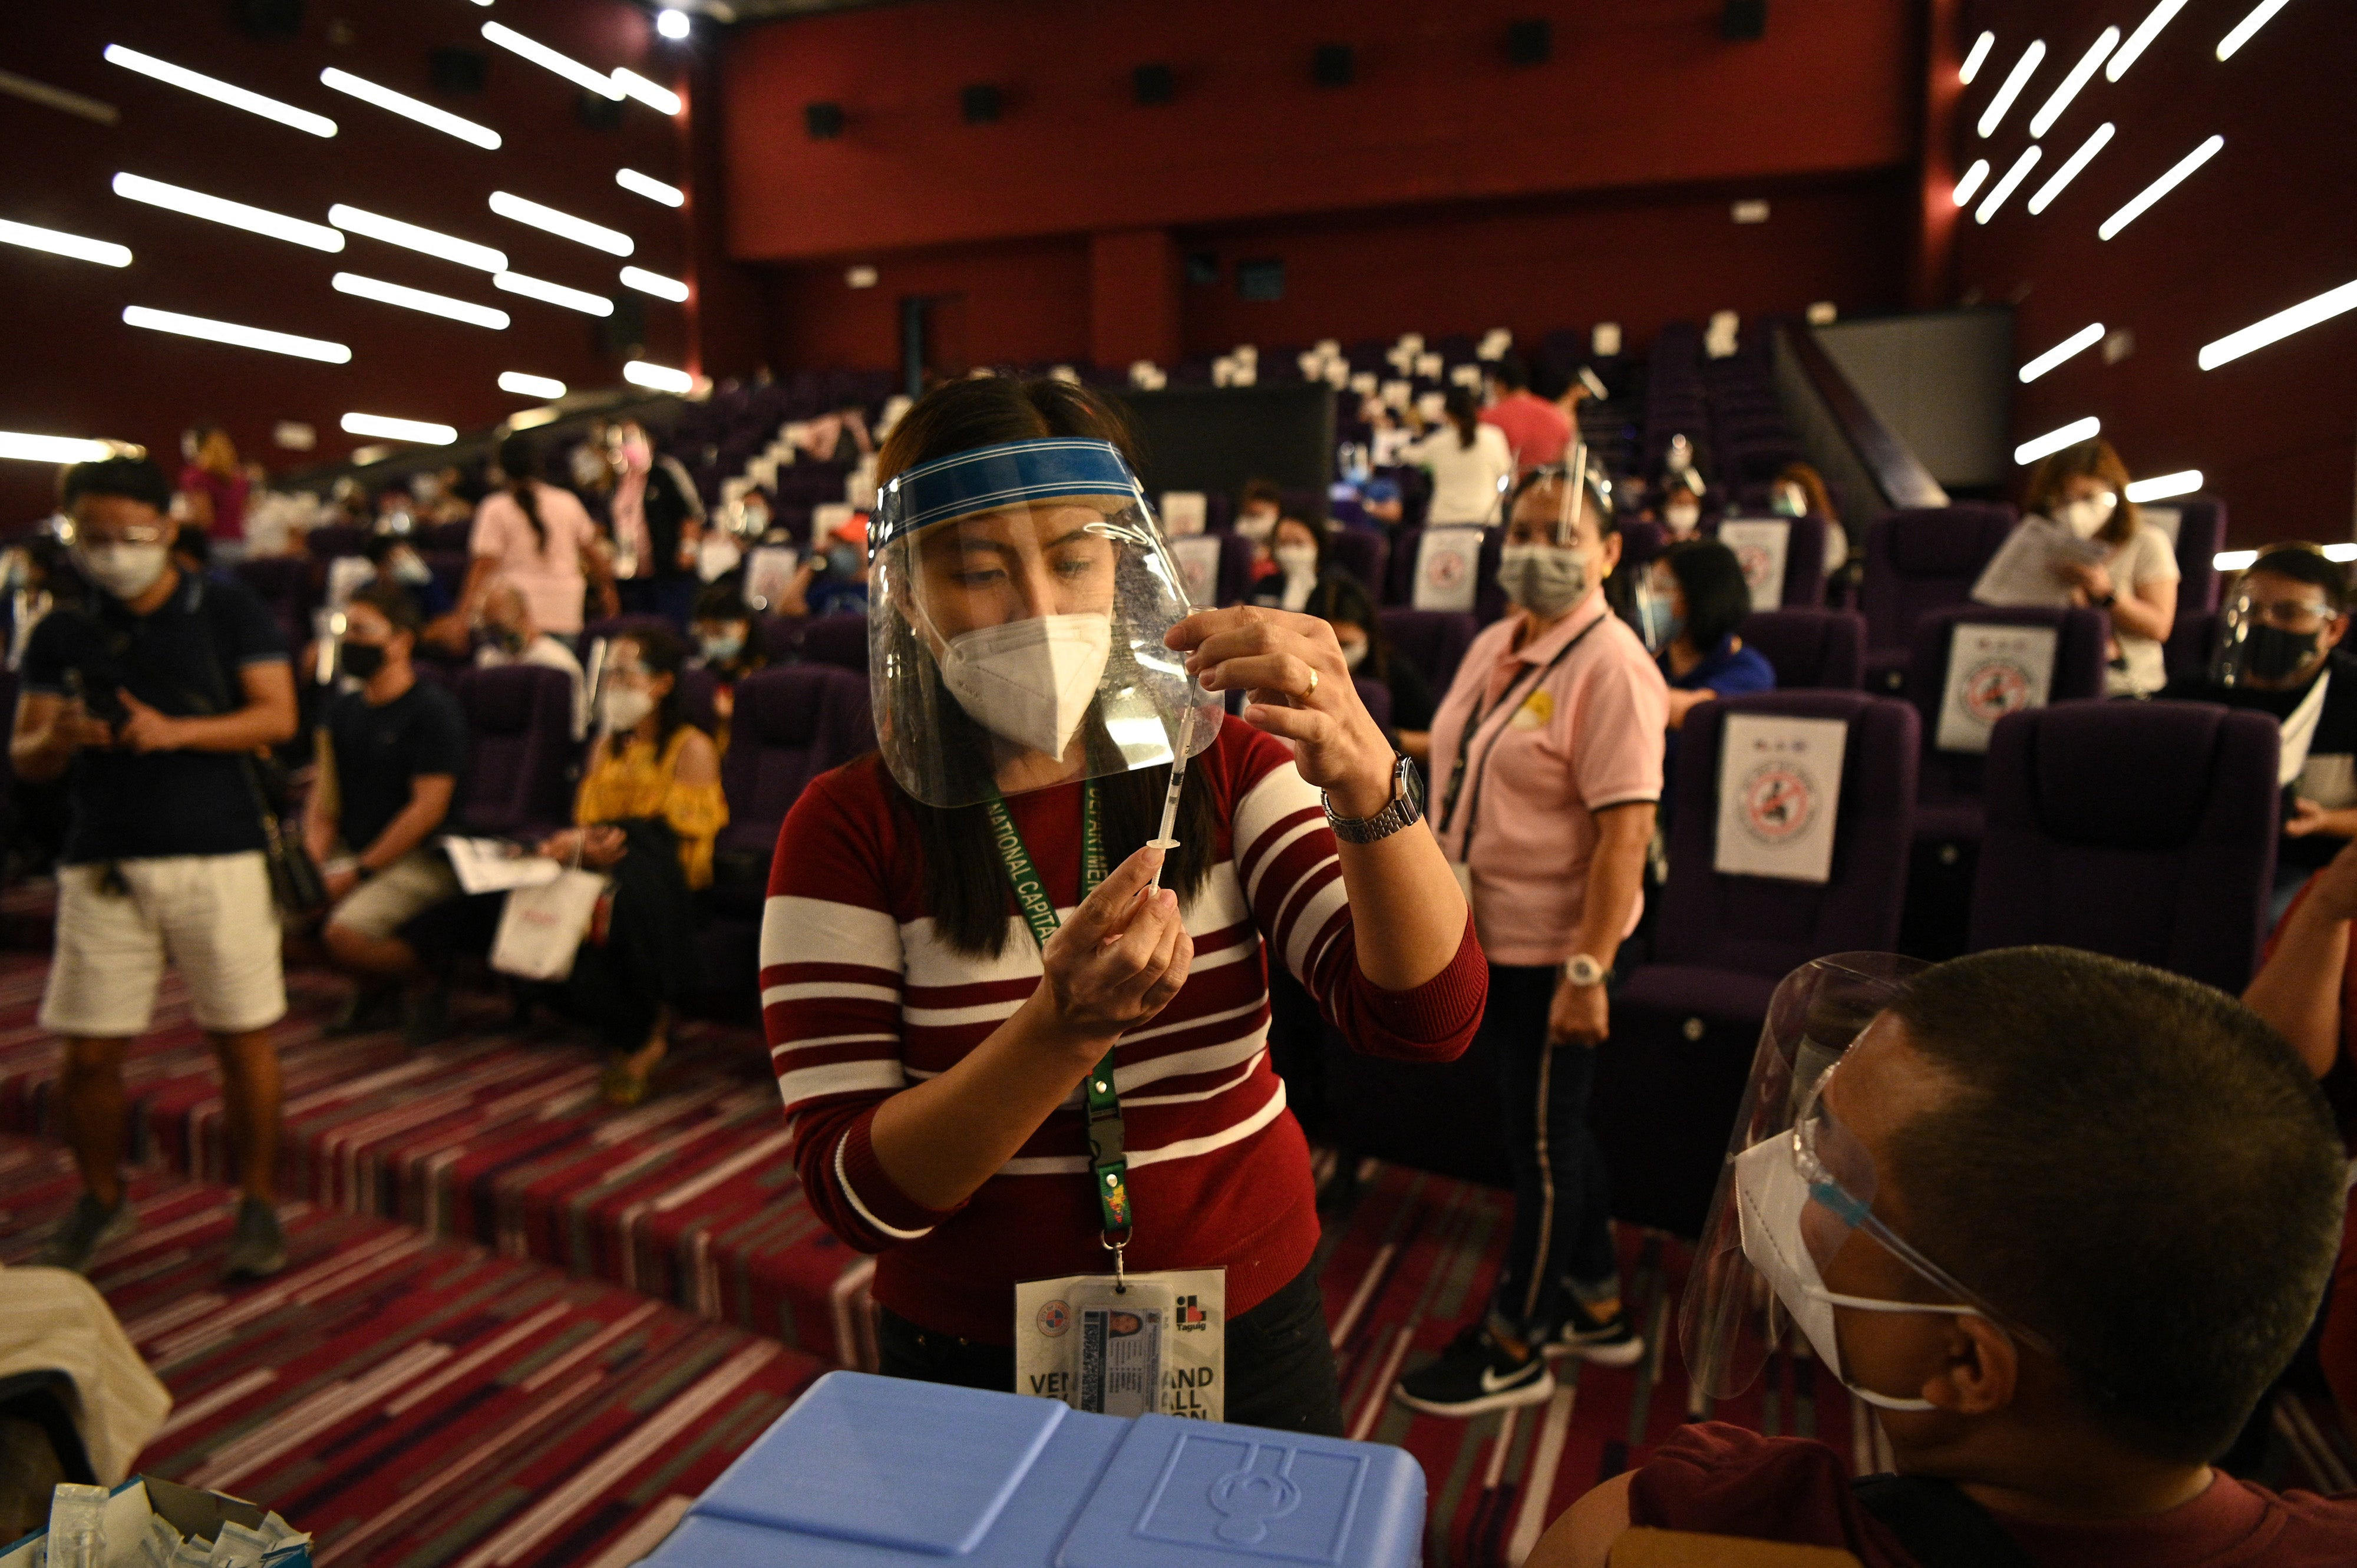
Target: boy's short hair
point(2138, 1169)
point(2305, 564)
point(391, 601)
point(134, 479)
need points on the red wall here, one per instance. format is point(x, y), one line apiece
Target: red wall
point(69, 366)
point(2266, 224)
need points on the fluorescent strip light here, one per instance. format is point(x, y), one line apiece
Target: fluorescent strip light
point(2005, 187)
point(410, 108)
point(220, 91)
point(2079, 342)
point(52, 448)
point(539, 54)
point(242, 336)
point(671, 23)
point(2160, 487)
point(2161, 186)
point(418, 299)
point(383, 429)
point(105, 252)
point(2016, 80)
point(2079, 76)
point(2147, 31)
point(531, 418)
point(2070, 168)
point(2264, 13)
point(2053, 441)
point(2281, 325)
point(554, 293)
point(1971, 181)
point(236, 214)
point(661, 377)
point(409, 236)
point(523, 385)
point(613, 242)
point(2233, 560)
point(1978, 57)
point(654, 95)
point(631, 180)
point(655, 284)
point(2338, 551)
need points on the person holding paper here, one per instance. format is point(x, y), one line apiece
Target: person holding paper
point(1546, 761)
point(2083, 544)
point(1469, 460)
point(1016, 1041)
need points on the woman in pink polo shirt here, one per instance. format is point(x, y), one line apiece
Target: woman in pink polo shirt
point(1547, 766)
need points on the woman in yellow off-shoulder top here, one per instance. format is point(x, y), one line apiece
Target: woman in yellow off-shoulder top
point(648, 810)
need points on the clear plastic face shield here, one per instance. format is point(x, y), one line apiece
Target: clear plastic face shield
point(1019, 598)
point(2277, 633)
point(1797, 1188)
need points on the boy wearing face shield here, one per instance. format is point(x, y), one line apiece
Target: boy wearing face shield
point(1015, 1040)
point(1965, 1216)
point(147, 704)
point(1547, 760)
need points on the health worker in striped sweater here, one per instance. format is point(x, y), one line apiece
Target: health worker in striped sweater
point(1016, 1041)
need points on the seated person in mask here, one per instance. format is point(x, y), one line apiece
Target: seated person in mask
point(1800, 491)
point(1343, 605)
point(1696, 597)
point(2061, 1332)
point(1681, 504)
point(832, 578)
point(510, 636)
point(728, 643)
point(1298, 548)
point(398, 561)
point(1257, 513)
point(2084, 543)
point(2290, 663)
point(390, 757)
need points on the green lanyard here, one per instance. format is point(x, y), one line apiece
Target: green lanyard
point(1108, 1164)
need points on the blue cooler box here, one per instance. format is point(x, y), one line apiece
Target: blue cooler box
point(866, 1472)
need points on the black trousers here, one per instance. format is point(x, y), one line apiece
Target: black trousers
point(1563, 1214)
point(1280, 1367)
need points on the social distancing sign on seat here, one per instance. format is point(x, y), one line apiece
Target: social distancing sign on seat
point(1778, 796)
point(1447, 563)
point(1184, 512)
point(1761, 546)
point(1197, 556)
point(1993, 670)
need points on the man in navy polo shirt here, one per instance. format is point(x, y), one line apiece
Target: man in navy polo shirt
point(150, 704)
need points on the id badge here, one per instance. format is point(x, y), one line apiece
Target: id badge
point(1149, 1343)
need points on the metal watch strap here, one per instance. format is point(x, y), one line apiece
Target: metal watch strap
point(1402, 810)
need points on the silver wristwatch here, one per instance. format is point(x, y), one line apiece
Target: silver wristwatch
point(1582, 970)
point(1406, 806)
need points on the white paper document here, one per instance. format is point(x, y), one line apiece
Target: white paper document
point(1761, 546)
point(1447, 561)
point(495, 865)
point(1778, 796)
point(1993, 670)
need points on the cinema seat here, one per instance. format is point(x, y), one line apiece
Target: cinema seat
point(1918, 560)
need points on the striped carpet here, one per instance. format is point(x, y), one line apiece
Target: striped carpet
point(412, 1402)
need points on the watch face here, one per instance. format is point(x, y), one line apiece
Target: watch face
point(1411, 783)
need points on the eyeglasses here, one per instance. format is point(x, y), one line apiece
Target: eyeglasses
point(2290, 614)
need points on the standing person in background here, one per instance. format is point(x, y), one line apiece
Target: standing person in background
point(541, 539)
point(658, 526)
point(1470, 462)
point(1546, 755)
point(2084, 543)
point(1800, 491)
point(150, 706)
point(512, 637)
point(213, 490)
point(1536, 430)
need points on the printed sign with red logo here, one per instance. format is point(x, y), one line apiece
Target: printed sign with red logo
point(1993, 670)
point(1779, 794)
point(1197, 556)
point(1761, 546)
point(1447, 563)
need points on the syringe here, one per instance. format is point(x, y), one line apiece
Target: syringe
point(1163, 840)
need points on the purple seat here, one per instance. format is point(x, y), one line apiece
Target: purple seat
point(1919, 560)
point(1809, 648)
point(613, 626)
point(1433, 641)
point(520, 757)
point(1364, 552)
point(2201, 534)
point(280, 582)
point(336, 539)
point(1377, 698)
point(1641, 544)
point(791, 723)
point(840, 640)
point(2174, 870)
point(699, 692)
point(1684, 1025)
point(1234, 577)
point(781, 636)
point(456, 536)
point(1804, 562)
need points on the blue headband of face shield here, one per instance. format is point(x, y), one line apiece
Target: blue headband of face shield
point(1005, 474)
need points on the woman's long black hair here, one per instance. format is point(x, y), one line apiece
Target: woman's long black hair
point(966, 888)
point(519, 461)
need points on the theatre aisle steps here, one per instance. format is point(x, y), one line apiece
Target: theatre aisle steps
point(411, 1401)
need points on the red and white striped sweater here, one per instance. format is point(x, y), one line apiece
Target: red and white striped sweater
point(860, 998)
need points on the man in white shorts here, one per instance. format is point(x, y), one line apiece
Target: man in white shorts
point(150, 704)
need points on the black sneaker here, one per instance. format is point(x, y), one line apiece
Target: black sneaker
point(426, 1014)
point(1607, 1341)
point(371, 1006)
point(1476, 1373)
point(258, 1247)
point(82, 1233)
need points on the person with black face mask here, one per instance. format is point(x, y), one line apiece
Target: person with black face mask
point(390, 757)
point(2281, 654)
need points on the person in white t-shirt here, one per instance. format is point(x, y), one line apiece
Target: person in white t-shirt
point(515, 637)
point(2084, 543)
point(1469, 462)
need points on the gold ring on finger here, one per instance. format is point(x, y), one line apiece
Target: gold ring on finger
point(1312, 690)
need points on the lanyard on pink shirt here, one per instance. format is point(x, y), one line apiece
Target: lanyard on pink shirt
point(1472, 733)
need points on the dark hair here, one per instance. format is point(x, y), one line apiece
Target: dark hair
point(663, 652)
point(1254, 490)
point(966, 888)
point(2089, 459)
point(1510, 372)
point(1599, 505)
point(1463, 412)
point(1711, 578)
point(2134, 1165)
point(722, 599)
point(519, 461)
point(2305, 564)
point(391, 601)
point(1339, 598)
point(133, 479)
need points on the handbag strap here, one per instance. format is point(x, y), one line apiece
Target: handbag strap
point(214, 706)
point(1519, 694)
